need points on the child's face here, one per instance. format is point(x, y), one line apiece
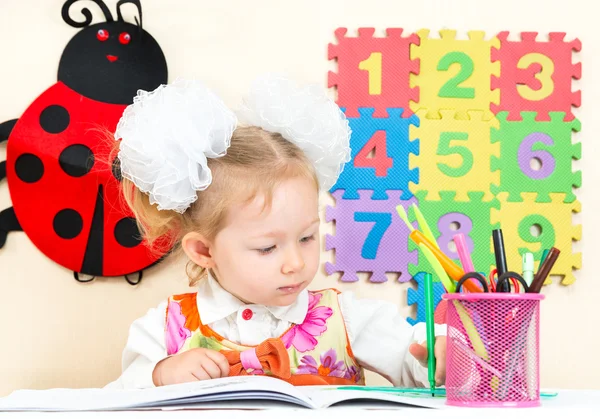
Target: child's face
point(268, 257)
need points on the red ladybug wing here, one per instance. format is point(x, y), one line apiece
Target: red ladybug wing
point(62, 207)
point(120, 225)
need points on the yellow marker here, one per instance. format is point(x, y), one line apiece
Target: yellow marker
point(437, 267)
point(476, 341)
point(454, 271)
point(424, 226)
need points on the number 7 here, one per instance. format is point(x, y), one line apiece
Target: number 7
point(382, 222)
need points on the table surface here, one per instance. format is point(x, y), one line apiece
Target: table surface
point(578, 401)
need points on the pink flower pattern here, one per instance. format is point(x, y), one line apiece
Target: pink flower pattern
point(330, 366)
point(176, 333)
point(302, 336)
point(352, 374)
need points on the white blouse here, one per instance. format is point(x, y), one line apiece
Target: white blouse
point(378, 335)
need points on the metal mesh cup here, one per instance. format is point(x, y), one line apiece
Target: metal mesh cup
point(492, 355)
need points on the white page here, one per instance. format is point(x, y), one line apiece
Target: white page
point(108, 399)
point(324, 397)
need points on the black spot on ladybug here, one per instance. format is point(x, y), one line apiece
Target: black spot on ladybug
point(116, 169)
point(29, 168)
point(127, 233)
point(76, 160)
point(68, 223)
point(54, 119)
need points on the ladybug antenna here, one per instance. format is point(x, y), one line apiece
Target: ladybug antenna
point(85, 12)
point(137, 4)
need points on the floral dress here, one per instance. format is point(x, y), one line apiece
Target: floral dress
point(316, 352)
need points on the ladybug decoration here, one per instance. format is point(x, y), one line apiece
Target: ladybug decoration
point(64, 189)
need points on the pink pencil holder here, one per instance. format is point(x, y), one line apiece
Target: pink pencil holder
point(493, 349)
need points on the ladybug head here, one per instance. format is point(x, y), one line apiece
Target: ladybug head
point(110, 61)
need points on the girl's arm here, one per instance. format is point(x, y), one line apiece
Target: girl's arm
point(144, 349)
point(380, 338)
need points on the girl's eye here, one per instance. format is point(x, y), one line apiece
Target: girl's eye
point(308, 238)
point(266, 250)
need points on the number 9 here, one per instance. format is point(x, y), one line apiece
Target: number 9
point(546, 237)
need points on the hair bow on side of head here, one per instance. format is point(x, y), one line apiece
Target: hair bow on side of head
point(305, 116)
point(166, 137)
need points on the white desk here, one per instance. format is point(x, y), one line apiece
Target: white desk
point(583, 403)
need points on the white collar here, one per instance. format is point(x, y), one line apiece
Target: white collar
point(215, 303)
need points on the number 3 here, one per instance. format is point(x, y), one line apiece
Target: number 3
point(544, 76)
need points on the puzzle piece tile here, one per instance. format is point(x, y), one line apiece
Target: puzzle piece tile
point(455, 155)
point(536, 75)
point(554, 219)
point(549, 142)
point(455, 73)
point(389, 168)
point(447, 217)
point(417, 297)
point(373, 72)
point(369, 237)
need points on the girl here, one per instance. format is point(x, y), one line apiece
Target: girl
point(242, 203)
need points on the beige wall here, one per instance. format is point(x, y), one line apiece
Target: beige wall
point(57, 332)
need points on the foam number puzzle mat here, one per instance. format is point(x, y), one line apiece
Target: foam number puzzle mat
point(477, 130)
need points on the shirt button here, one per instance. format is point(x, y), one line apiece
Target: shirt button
point(247, 314)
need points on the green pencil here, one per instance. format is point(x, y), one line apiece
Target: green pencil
point(402, 390)
point(429, 321)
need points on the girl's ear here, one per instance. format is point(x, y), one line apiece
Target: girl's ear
point(197, 249)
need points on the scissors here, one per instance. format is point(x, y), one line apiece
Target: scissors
point(513, 277)
point(472, 275)
point(515, 281)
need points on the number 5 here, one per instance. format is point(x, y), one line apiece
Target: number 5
point(445, 149)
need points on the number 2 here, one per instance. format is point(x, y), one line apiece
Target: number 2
point(451, 88)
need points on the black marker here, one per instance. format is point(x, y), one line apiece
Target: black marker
point(500, 255)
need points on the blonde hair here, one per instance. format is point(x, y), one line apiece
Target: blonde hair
point(256, 161)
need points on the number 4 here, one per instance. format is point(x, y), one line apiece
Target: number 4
point(380, 161)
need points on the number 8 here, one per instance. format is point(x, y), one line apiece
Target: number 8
point(465, 225)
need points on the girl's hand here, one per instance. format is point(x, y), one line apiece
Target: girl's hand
point(419, 351)
point(193, 365)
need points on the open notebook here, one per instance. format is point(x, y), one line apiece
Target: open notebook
point(248, 392)
point(236, 392)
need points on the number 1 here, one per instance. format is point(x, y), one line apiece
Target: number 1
point(373, 66)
